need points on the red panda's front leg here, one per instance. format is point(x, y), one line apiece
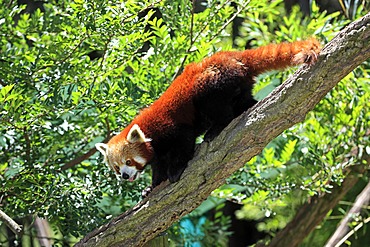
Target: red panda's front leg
point(173, 152)
point(159, 175)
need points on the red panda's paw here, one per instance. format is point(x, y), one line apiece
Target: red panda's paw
point(310, 50)
point(145, 193)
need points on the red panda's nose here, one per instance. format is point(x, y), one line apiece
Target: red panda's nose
point(125, 176)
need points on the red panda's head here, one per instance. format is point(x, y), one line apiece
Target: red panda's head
point(127, 156)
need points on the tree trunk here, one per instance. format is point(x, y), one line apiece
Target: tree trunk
point(244, 138)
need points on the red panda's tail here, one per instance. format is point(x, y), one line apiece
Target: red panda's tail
point(280, 56)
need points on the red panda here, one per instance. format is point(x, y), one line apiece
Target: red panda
point(203, 99)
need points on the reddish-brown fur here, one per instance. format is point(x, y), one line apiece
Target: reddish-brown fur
point(181, 112)
point(175, 105)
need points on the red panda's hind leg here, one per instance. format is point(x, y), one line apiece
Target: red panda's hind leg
point(219, 106)
point(218, 122)
point(216, 109)
point(238, 107)
point(180, 152)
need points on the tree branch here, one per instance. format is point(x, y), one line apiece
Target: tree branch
point(316, 209)
point(244, 138)
point(313, 212)
point(83, 157)
point(90, 153)
point(338, 237)
point(17, 229)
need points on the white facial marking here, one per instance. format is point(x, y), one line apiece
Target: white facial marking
point(142, 161)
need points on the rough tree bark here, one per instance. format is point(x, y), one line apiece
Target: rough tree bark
point(244, 138)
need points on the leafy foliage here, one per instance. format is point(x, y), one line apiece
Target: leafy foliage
point(302, 161)
point(72, 73)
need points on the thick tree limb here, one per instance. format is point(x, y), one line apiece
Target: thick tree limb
point(244, 138)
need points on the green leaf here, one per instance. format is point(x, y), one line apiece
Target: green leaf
point(5, 91)
point(288, 150)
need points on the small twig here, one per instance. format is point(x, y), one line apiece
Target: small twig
point(17, 229)
point(192, 20)
point(91, 152)
point(343, 8)
point(28, 144)
point(108, 129)
point(127, 19)
point(62, 60)
point(230, 20)
point(343, 231)
point(83, 157)
point(192, 41)
point(349, 234)
point(206, 24)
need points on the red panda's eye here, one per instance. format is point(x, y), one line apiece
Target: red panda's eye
point(128, 162)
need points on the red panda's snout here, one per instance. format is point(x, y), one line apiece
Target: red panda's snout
point(129, 173)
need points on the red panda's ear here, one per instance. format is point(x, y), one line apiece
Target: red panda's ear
point(135, 135)
point(102, 147)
